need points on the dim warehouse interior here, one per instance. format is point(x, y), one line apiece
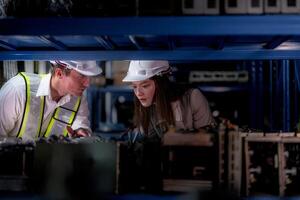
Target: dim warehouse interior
point(243, 55)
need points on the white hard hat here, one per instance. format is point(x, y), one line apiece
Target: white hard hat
point(140, 70)
point(87, 68)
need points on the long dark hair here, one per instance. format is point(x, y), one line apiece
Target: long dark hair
point(165, 93)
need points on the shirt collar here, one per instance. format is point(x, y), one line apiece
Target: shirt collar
point(44, 88)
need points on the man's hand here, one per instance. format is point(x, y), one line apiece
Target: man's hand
point(77, 133)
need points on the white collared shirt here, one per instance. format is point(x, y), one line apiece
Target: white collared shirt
point(12, 101)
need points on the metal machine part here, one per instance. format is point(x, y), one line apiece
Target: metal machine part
point(262, 167)
point(16, 158)
point(70, 171)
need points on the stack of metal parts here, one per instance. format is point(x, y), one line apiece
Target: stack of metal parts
point(272, 164)
point(67, 8)
point(260, 163)
point(53, 139)
point(53, 167)
point(79, 168)
point(16, 160)
point(198, 170)
point(230, 146)
point(291, 166)
point(244, 155)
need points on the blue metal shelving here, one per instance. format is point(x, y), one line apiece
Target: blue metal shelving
point(263, 25)
point(174, 38)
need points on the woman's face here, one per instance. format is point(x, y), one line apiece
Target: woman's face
point(144, 91)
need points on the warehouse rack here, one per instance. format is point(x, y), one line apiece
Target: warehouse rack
point(259, 163)
point(271, 161)
point(174, 38)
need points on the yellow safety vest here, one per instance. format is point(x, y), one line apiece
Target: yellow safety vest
point(33, 113)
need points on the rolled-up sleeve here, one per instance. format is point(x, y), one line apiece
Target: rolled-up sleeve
point(11, 106)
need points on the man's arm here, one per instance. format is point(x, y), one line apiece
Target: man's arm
point(11, 108)
point(81, 125)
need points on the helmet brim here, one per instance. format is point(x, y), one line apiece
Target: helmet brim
point(130, 78)
point(94, 72)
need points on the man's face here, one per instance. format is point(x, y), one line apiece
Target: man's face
point(75, 83)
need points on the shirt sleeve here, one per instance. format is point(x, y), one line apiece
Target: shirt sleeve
point(200, 110)
point(11, 106)
point(82, 117)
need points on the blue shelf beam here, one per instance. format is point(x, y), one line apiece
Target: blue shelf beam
point(171, 43)
point(184, 25)
point(271, 96)
point(276, 41)
point(260, 94)
point(105, 42)
point(296, 94)
point(286, 95)
point(183, 55)
point(219, 44)
point(53, 42)
point(135, 41)
point(169, 37)
point(7, 46)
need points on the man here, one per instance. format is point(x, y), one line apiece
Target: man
point(33, 106)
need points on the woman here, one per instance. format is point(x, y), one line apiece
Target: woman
point(159, 105)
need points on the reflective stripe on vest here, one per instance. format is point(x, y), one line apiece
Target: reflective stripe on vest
point(41, 117)
point(28, 123)
point(72, 117)
point(62, 117)
point(33, 113)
